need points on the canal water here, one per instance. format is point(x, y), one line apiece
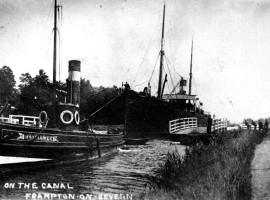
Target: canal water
point(125, 175)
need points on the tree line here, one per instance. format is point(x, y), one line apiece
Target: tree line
point(33, 92)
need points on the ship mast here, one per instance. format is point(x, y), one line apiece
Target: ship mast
point(190, 74)
point(161, 58)
point(165, 80)
point(54, 57)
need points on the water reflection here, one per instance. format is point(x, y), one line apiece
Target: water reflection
point(126, 172)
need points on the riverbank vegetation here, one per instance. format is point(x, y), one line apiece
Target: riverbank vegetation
point(220, 170)
point(33, 92)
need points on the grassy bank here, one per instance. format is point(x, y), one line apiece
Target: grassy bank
point(220, 170)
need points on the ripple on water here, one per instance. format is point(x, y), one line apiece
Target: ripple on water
point(127, 172)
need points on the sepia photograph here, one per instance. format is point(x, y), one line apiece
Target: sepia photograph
point(134, 99)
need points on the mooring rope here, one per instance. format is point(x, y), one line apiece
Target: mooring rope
point(106, 104)
point(6, 104)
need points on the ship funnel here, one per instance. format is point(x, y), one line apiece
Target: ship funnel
point(183, 83)
point(73, 82)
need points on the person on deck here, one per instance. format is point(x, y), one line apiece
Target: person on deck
point(127, 87)
point(209, 124)
point(145, 92)
point(247, 124)
point(254, 124)
point(260, 126)
point(266, 125)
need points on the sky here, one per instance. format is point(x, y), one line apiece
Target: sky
point(119, 40)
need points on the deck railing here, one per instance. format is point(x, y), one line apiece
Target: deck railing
point(219, 125)
point(4, 119)
point(182, 124)
point(21, 119)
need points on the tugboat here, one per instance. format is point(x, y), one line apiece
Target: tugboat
point(58, 133)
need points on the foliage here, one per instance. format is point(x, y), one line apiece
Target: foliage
point(33, 92)
point(37, 91)
point(220, 170)
point(7, 83)
point(86, 89)
point(94, 98)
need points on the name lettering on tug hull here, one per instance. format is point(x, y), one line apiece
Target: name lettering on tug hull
point(26, 136)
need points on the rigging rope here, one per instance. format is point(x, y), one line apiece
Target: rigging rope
point(168, 87)
point(169, 71)
point(48, 48)
point(50, 13)
point(142, 60)
point(140, 83)
point(43, 32)
point(154, 68)
point(106, 104)
point(145, 54)
point(142, 78)
point(173, 90)
point(173, 67)
point(195, 85)
point(5, 105)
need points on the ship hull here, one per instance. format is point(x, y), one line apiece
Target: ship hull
point(150, 116)
point(35, 142)
point(195, 138)
point(191, 139)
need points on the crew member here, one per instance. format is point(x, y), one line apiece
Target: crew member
point(247, 124)
point(127, 87)
point(266, 125)
point(209, 124)
point(254, 124)
point(260, 126)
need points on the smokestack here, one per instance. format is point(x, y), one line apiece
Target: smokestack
point(73, 82)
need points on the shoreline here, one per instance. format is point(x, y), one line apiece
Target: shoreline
point(220, 170)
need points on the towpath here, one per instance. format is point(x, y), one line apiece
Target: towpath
point(260, 170)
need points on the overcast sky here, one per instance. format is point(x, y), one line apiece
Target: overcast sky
point(119, 40)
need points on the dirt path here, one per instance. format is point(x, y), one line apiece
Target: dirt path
point(260, 170)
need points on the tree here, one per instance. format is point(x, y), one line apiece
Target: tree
point(86, 89)
point(7, 83)
point(42, 79)
point(25, 79)
point(98, 97)
point(35, 92)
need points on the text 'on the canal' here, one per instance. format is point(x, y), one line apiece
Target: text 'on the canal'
point(35, 186)
point(64, 186)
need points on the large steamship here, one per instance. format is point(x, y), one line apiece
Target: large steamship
point(58, 133)
point(148, 115)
